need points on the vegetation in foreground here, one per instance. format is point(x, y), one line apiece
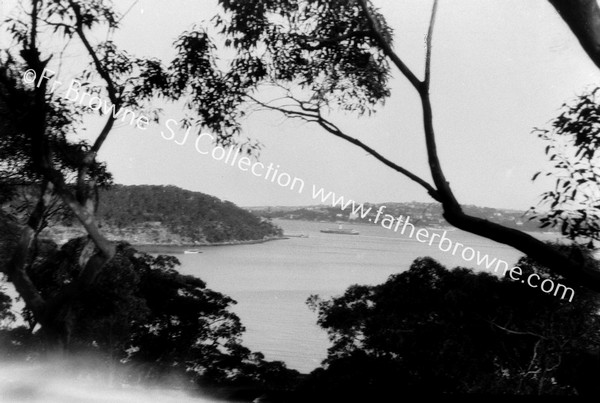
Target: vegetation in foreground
point(147, 320)
point(341, 56)
point(439, 331)
point(426, 329)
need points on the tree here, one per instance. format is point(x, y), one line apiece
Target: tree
point(319, 56)
point(574, 203)
point(583, 18)
point(199, 217)
point(39, 145)
point(435, 330)
point(144, 316)
point(29, 117)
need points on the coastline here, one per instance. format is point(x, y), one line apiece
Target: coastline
point(440, 227)
point(180, 248)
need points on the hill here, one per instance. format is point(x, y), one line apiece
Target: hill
point(169, 215)
point(422, 214)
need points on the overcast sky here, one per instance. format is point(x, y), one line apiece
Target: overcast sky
point(500, 68)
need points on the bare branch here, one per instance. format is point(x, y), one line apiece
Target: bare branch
point(517, 332)
point(583, 18)
point(439, 179)
point(374, 25)
point(34, 18)
point(112, 92)
point(112, 95)
point(128, 10)
point(331, 128)
point(315, 116)
point(429, 44)
point(453, 213)
point(310, 116)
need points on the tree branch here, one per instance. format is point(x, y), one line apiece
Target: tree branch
point(534, 248)
point(16, 269)
point(443, 191)
point(83, 215)
point(374, 25)
point(539, 251)
point(314, 115)
point(112, 92)
point(583, 18)
point(90, 157)
point(34, 17)
point(429, 44)
point(517, 332)
point(331, 128)
point(42, 154)
point(439, 179)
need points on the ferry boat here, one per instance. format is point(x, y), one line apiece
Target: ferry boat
point(339, 230)
point(191, 251)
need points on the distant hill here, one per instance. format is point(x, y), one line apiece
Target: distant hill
point(147, 214)
point(423, 214)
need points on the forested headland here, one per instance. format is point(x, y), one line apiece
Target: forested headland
point(168, 215)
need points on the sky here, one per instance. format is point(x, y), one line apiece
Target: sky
point(500, 68)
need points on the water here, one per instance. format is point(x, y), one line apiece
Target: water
point(271, 281)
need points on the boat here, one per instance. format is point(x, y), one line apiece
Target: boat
point(295, 235)
point(339, 230)
point(191, 251)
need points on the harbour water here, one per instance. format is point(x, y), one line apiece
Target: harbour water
point(271, 281)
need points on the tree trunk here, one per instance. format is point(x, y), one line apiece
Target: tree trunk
point(583, 18)
point(569, 267)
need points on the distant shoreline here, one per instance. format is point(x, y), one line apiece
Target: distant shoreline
point(180, 248)
point(441, 227)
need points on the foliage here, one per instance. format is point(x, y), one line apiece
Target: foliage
point(86, 294)
point(143, 312)
point(192, 214)
point(573, 139)
point(7, 317)
point(279, 44)
point(322, 46)
point(18, 166)
point(454, 331)
point(8, 238)
point(40, 143)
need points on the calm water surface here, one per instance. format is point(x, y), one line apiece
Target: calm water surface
point(271, 281)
